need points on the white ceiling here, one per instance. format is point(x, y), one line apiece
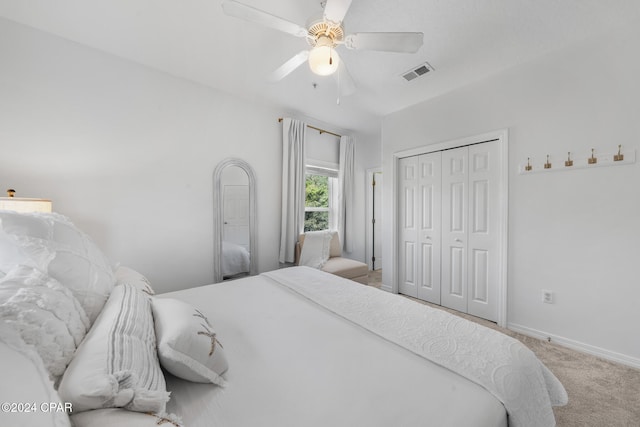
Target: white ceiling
point(464, 40)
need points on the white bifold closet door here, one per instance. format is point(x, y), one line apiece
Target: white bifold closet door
point(449, 242)
point(420, 220)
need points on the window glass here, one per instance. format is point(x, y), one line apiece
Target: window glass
point(319, 201)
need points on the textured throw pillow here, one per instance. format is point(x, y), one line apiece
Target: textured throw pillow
point(188, 346)
point(25, 382)
point(45, 314)
point(116, 366)
point(55, 246)
point(316, 248)
point(132, 277)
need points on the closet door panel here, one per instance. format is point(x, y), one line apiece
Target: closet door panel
point(455, 199)
point(429, 233)
point(408, 228)
point(483, 243)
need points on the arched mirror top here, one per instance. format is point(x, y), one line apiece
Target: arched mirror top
point(234, 220)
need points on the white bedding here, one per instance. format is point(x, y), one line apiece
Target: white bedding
point(235, 259)
point(292, 362)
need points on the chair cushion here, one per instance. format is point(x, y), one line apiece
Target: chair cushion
point(345, 267)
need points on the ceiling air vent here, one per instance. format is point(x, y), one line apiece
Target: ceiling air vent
point(418, 71)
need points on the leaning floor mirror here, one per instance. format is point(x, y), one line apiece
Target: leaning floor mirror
point(235, 253)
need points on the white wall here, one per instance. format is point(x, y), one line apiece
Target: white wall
point(128, 153)
point(575, 233)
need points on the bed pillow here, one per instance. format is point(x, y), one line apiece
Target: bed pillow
point(132, 277)
point(25, 382)
point(188, 346)
point(45, 314)
point(55, 246)
point(316, 248)
point(116, 366)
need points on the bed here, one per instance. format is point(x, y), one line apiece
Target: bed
point(291, 347)
point(235, 259)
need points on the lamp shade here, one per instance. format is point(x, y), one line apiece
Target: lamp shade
point(19, 204)
point(323, 59)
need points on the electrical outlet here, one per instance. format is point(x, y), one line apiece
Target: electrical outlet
point(547, 297)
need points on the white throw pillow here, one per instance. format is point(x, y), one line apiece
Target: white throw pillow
point(116, 365)
point(188, 346)
point(55, 246)
point(316, 248)
point(132, 277)
point(45, 313)
point(25, 382)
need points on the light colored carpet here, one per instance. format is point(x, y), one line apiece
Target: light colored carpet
point(601, 393)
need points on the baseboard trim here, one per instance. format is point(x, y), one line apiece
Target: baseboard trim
point(577, 345)
point(386, 288)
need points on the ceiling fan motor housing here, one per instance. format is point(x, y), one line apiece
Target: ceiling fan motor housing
point(321, 31)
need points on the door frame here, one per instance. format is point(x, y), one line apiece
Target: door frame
point(501, 135)
point(369, 214)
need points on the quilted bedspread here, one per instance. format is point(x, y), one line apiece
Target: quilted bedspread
point(497, 362)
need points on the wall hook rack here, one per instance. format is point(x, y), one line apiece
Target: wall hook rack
point(587, 162)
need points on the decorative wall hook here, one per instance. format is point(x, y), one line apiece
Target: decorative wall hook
point(568, 162)
point(618, 157)
point(592, 160)
point(547, 165)
point(528, 167)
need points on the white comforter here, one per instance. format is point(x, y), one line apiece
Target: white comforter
point(501, 364)
point(306, 348)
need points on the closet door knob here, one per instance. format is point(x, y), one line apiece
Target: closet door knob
point(458, 241)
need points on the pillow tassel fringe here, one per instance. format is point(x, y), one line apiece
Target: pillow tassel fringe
point(146, 400)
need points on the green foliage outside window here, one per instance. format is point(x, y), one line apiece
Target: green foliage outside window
point(317, 196)
point(316, 221)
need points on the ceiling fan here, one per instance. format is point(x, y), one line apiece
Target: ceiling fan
point(323, 36)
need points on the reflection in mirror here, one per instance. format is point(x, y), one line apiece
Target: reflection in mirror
point(234, 220)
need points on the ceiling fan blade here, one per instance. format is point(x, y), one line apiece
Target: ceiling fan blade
point(387, 42)
point(335, 10)
point(288, 67)
point(248, 13)
point(346, 85)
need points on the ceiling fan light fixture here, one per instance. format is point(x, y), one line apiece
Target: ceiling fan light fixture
point(323, 59)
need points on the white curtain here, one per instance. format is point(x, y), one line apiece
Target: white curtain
point(345, 194)
point(293, 187)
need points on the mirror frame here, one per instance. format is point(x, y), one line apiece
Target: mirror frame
point(218, 215)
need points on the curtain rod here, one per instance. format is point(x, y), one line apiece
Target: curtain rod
point(318, 129)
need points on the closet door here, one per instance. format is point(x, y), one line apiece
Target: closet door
point(483, 239)
point(408, 226)
point(455, 197)
point(429, 227)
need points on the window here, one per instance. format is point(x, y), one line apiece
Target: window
point(321, 198)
